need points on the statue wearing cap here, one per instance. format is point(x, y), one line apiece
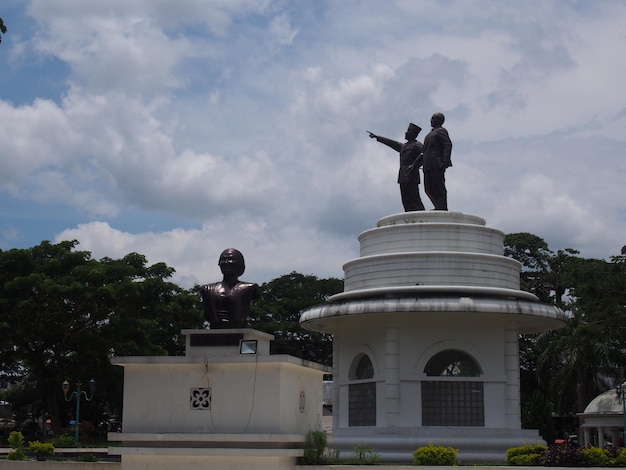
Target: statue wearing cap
point(410, 161)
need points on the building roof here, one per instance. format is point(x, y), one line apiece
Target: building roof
point(606, 402)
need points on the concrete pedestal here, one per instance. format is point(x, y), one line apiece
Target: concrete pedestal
point(227, 403)
point(425, 339)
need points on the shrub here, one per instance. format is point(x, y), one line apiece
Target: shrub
point(526, 460)
point(17, 455)
point(435, 455)
point(596, 457)
point(562, 455)
point(365, 455)
point(314, 447)
point(530, 454)
point(620, 457)
point(87, 458)
point(42, 450)
point(65, 440)
point(16, 441)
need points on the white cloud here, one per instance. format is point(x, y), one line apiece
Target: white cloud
point(33, 136)
point(246, 120)
point(281, 30)
point(194, 253)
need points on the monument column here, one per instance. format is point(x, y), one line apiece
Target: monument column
point(511, 365)
point(392, 375)
point(335, 392)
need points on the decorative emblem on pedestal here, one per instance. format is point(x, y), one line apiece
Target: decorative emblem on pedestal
point(302, 401)
point(200, 399)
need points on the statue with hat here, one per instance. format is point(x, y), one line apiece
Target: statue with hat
point(227, 303)
point(410, 161)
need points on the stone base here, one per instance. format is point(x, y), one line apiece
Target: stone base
point(198, 450)
point(474, 445)
point(225, 462)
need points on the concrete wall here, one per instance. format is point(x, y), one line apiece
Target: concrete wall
point(418, 338)
point(254, 394)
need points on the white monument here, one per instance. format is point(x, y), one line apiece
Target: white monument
point(425, 339)
point(227, 403)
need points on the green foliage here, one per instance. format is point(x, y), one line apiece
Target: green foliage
point(562, 455)
point(87, 458)
point(435, 455)
point(530, 454)
point(596, 457)
point(65, 440)
point(17, 455)
point(315, 448)
point(562, 370)
point(526, 460)
point(620, 457)
point(42, 450)
point(16, 441)
point(365, 455)
point(537, 413)
point(278, 312)
point(64, 314)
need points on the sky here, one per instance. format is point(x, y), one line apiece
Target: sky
point(179, 129)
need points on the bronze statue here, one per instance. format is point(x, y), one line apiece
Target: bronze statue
point(410, 161)
point(437, 150)
point(227, 303)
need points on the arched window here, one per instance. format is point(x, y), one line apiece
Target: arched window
point(452, 402)
point(364, 368)
point(362, 394)
point(452, 363)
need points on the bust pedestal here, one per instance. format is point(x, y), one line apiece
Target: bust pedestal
point(226, 400)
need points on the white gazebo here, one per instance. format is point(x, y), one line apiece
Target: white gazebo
point(603, 418)
point(425, 339)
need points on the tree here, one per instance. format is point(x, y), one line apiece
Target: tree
point(64, 314)
point(588, 355)
point(568, 367)
point(543, 272)
point(278, 312)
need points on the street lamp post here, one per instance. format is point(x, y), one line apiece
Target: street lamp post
point(621, 392)
point(77, 394)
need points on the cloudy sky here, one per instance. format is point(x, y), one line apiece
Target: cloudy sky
point(179, 128)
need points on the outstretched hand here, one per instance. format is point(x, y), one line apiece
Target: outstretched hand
point(372, 136)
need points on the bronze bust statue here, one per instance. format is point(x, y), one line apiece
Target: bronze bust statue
point(227, 303)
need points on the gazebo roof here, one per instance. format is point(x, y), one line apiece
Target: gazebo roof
point(604, 403)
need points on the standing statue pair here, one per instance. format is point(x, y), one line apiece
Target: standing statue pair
point(433, 156)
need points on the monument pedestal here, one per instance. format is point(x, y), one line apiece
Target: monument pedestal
point(425, 339)
point(227, 403)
